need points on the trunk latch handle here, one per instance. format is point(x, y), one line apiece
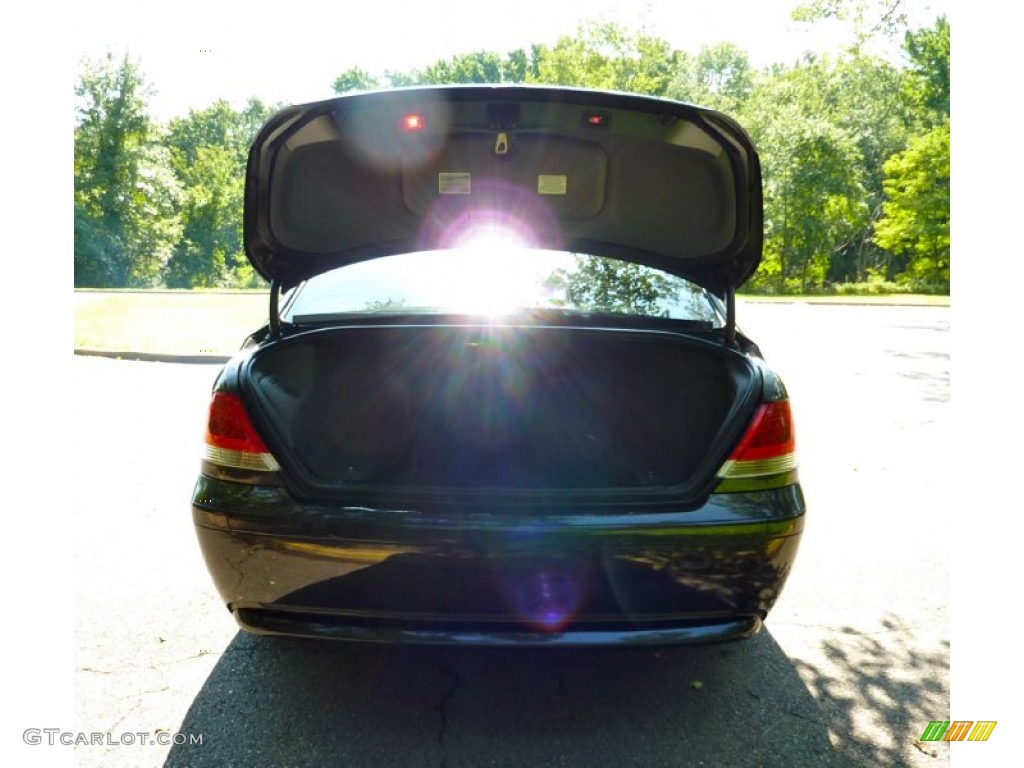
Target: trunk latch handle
point(501, 144)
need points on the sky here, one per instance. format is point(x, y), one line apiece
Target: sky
point(287, 52)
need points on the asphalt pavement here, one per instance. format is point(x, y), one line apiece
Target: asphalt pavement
point(851, 667)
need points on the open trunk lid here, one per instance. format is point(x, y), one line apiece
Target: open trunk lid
point(648, 180)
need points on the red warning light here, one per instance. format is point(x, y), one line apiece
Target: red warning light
point(412, 122)
point(596, 119)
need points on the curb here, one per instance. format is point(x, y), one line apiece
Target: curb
point(155, 357)
point(852, 301)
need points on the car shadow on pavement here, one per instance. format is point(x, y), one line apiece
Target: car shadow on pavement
point(272, 701)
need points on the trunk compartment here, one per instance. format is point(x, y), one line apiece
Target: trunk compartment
point(468, 407)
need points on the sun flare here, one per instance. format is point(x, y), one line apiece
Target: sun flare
point(488, 278)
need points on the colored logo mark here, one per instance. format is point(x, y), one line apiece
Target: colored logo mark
point(958, 730)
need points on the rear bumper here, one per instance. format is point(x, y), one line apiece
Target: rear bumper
point(266, 621)
point(497, 578)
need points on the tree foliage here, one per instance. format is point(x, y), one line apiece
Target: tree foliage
point(824, 128)
point(125, 194)
point(208, 149)
point(926, 86)
point(608, 56)
point(719, 77)
point(814, 207)
point(600, 284)
point(915, 223)
point(211, 241)
point(854, 152)
point(480, 67)
point(868, 18)
point(355, 79)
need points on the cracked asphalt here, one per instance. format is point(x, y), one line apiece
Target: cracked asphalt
point(851, 666)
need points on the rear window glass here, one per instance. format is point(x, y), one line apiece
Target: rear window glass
point(467, 282)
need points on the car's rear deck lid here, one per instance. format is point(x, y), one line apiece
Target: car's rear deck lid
point(652, 181)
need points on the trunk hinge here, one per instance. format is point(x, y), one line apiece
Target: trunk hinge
point(275, 315)
point(730, 316)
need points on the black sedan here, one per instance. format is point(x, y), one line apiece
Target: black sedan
point(501, 397)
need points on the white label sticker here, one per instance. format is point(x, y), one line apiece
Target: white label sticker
point(453, 183)
point(552, 185)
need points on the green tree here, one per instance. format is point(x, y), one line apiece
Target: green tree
point(518, 66)
point(868, 18)
point(211, 243)
point(209, 149)
point(252, 118)
point(915, 223)
point(125, 193)
point(396, 79)
point(719, 77)
point(521, 66)
point(611, 57)
point(861, 97)
point(599, 55)
point(600, 284)
point(926, 86)
point(881, 107)
point(816, 204)
point(479, 67)
point(854, 102)
point(354, 79)
point(98, 250)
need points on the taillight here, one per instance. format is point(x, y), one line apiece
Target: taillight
point(231, 438)
point(767, 449)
